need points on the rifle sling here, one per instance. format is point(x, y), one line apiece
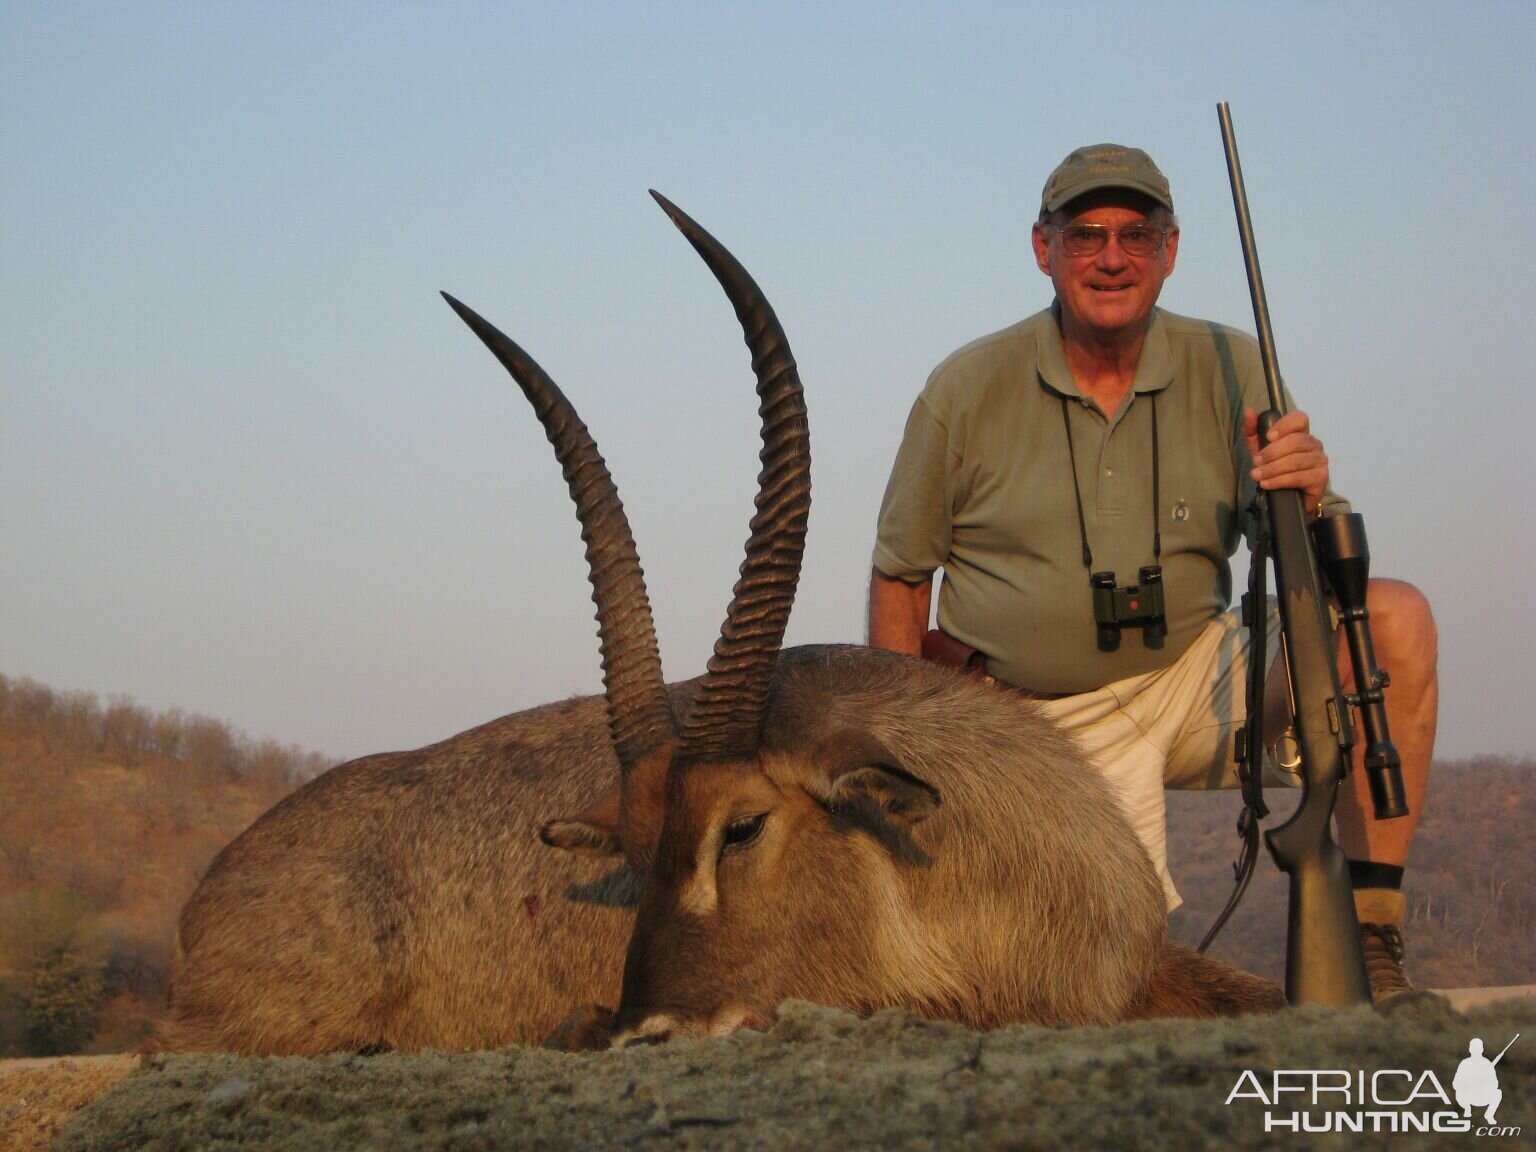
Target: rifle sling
point(1250, 738)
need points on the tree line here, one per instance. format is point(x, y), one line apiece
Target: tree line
point(77, 722)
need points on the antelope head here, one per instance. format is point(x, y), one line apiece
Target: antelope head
point(746, 854)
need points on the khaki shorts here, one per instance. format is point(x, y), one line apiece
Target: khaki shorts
point(1173, 728)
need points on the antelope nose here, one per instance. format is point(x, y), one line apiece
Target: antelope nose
point(656, 1028)
point(647, 1040)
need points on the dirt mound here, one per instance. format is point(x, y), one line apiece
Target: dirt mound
point(824, 1079)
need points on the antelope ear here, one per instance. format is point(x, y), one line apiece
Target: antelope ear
point(859, 770)
point(594, 832)
point(903, 796)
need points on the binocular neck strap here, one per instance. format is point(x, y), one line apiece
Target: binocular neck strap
point(1077, 491)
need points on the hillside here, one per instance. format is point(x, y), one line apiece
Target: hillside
point(109, 814)
point(1471, 888)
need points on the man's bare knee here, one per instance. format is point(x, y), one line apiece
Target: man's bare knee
point(1403, 625)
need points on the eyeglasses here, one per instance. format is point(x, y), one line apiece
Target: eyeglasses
point(1138, 240)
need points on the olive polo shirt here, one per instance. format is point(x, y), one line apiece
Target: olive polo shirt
point(983, 487)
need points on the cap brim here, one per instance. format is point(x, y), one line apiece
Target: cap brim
point(1062, 199)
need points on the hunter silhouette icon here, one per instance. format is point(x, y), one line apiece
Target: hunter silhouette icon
point(1477, 1081)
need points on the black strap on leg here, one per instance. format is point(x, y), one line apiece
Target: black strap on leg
point(1249, 749)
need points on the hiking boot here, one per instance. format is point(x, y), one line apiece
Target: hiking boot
point(1380, 912)
point(1383, 948)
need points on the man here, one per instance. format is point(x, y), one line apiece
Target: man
point(1105, 434)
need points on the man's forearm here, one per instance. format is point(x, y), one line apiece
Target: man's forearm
point(898, 613)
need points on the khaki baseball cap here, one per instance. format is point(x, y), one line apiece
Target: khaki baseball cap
point(1105, 166)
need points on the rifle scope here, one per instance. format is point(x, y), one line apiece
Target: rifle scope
point(1346, 562)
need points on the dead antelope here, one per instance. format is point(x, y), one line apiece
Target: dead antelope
point(833, 823)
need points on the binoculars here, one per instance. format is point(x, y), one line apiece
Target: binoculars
point(1138, 605)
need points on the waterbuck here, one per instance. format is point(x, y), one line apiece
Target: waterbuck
point(834, 823)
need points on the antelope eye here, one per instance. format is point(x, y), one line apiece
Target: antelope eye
point(743, 831)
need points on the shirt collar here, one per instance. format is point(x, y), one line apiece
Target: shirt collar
point(1154, 371)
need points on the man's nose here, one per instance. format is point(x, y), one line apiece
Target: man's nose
point(1113, 256)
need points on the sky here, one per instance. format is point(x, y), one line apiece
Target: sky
point(253, 467)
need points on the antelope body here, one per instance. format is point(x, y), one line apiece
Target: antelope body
point(837, 824)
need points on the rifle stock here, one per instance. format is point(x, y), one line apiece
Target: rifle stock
point(1324, 963)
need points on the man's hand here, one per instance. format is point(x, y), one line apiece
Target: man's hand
point(1292, 458)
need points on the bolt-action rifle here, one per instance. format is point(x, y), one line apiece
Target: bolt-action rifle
point(1323, 963)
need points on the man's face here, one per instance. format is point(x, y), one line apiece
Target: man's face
point(1111, 293)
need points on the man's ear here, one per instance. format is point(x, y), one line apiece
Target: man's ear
point(594, 832)
point(1041, 242)
point(854, 769)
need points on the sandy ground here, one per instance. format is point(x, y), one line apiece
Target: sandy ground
point(37, 1097)
point(818, 1079)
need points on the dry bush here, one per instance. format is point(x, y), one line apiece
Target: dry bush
point(54, 953)
point(125, 731)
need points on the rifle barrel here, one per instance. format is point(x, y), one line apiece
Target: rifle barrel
point(1506, 1048)
point(1324, 963)
point(1261, 323)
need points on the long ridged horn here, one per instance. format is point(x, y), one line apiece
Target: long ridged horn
point(727, 714)
point(639, 715)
